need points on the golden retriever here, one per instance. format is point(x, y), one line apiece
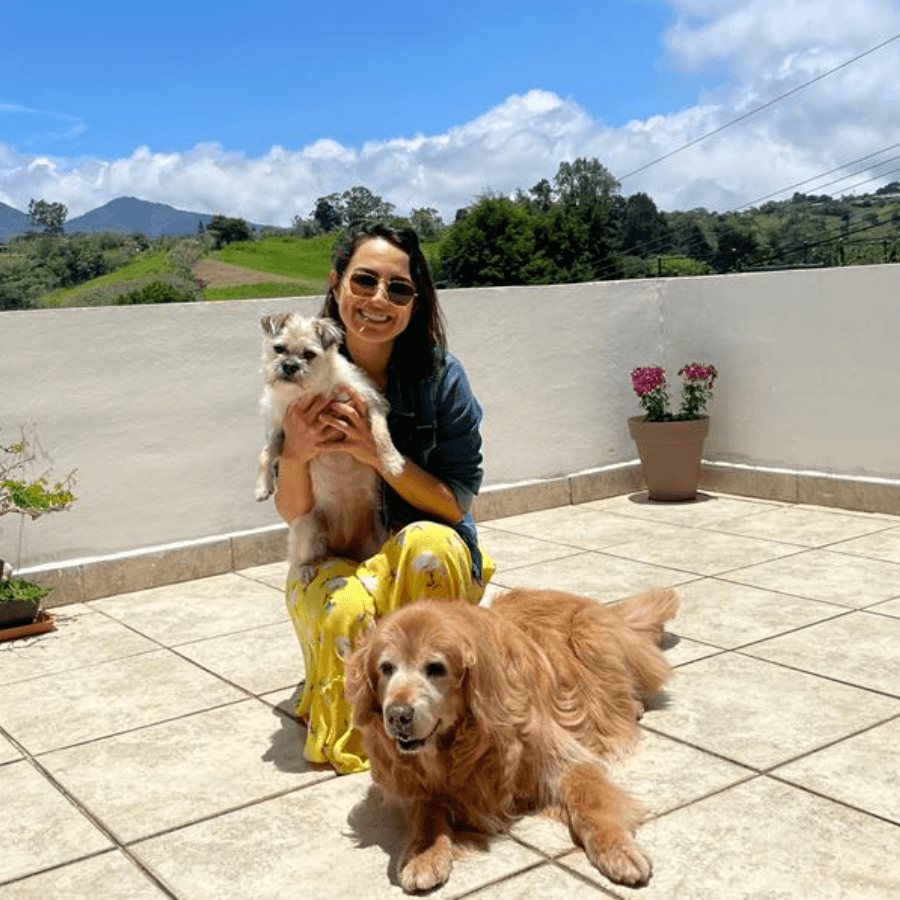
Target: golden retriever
point(472, 716)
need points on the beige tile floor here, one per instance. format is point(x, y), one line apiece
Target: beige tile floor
point(147, 747)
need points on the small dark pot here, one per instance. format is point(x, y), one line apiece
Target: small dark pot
point(15, 613)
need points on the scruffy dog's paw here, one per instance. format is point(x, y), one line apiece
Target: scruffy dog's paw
point(427, 870)
point(263, 492)
point(623, 862)
point(306, 574)
point(393, 461)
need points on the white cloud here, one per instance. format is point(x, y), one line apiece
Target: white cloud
point(766, 48)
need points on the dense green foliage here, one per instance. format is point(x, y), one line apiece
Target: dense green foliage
point(581, 229)
point(577, 227)
point(225, 230)
point(15, 590)
point(33, 268)
point(156, 292)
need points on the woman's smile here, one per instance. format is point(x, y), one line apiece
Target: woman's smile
point(372, 317)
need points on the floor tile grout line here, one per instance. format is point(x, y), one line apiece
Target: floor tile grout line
point(772, 770)
point(716, 574)
point(121, 733)
point(833, 679)
point(843, 613)
point(717, 526)
point(160, 645)
point(126, 845)
point(832, 799)
point(97, 823)
point(473, 893)
point(752, 771)
point(571, 555)
point(558, 862)
point(817, 546)
point(91, 665)
point(109, 851)
point(728, 578)
point(132, 843)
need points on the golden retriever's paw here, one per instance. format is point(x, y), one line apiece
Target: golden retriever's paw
point(623, 862)
point(427, 870)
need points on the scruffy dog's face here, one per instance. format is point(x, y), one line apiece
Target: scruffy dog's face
point(291, 347)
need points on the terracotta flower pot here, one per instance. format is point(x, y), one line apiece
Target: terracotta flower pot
point(670, 455)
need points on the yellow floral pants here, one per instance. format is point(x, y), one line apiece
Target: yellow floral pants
point(344, 600)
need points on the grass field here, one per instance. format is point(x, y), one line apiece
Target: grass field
point(300, 258)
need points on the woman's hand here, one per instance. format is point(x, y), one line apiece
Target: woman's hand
point(306, 436)
point(306, 432)
point(418, 487)
point(350, 419)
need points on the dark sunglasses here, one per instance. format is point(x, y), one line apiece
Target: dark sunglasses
point(365, 284)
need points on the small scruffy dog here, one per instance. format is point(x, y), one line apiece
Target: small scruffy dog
point(301, 360)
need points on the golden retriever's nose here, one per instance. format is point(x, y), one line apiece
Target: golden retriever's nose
point(400, 718)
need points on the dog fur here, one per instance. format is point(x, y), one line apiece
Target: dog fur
point(301, 360)
point(472, 716)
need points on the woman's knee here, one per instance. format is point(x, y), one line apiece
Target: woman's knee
point(421, 538)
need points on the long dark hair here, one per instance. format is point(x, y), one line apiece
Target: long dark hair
point(414, 349)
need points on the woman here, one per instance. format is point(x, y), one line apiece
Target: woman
point(381, 292)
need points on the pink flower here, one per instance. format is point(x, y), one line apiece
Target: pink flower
point(696, 372)
point(648, 379)
point(649, 383)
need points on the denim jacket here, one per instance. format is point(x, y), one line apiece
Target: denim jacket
point(435, 422)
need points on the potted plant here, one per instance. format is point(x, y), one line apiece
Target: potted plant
point(670, 444)
point(26, 495)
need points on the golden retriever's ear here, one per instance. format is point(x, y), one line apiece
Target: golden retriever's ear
point(359, 687)
point(483, 681)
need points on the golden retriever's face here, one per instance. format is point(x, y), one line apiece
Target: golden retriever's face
point(417, 676)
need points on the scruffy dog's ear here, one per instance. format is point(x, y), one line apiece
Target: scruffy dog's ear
point(272, 325)
point(329, 332)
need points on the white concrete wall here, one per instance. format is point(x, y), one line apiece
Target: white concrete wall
point(157, 406)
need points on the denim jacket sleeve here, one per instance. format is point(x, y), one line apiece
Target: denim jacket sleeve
point(436, 423)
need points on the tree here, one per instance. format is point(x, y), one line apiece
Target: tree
point(542, 196)
point(737, 247)
point(585, 183)
point(329, 212)
point(49, 216)
point(492, 245)
point(426, 221)
point(228, 231)
point(360, 203)
point(645, 231)
point(588, 198)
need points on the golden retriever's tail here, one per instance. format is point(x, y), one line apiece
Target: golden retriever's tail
point(649, 611)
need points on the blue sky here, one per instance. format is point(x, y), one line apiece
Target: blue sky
point(257, 111)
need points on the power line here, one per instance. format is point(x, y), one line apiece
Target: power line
point(650, 247)
point(647, 250)
point(753, 112)
point(852, 162)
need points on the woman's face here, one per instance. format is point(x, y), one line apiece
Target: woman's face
point(374, 319)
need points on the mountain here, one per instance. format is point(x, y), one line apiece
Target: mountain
point(123, 215)
point(12, 222)
point(128, 214)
